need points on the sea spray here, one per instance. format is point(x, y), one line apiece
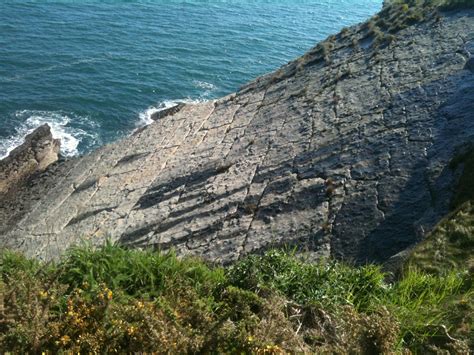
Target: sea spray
point(61, 128)
point(145, 117)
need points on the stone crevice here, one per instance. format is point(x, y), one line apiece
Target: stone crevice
point(223, 178)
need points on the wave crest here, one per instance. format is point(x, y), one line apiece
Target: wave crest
point(145, 116)
point(61, 128)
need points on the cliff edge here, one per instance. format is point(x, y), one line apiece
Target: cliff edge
point(343, 152)
point(38, 151)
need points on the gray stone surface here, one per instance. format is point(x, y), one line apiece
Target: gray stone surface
point(345, 156)
point(37, 152)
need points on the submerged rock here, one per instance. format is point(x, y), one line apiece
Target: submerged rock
point(343, 152)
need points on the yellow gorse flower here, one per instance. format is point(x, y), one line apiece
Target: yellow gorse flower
point(65, 339)
point(131, 330)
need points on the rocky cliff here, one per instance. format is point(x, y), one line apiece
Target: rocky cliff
point(35, 155)
point(343, 152)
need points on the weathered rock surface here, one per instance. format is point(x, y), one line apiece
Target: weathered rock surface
point(344, 154)
point(36, 154)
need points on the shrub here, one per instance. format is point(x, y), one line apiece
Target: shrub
point(118, 300)
point(328, 284)
point(137, 273)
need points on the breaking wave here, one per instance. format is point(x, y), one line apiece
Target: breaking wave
point(61, 125)
point(145, 116)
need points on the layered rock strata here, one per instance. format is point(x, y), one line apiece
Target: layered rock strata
point(343, 152)
point(37, 152)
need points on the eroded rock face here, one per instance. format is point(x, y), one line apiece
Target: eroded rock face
point(37, 152)
point(344, 154)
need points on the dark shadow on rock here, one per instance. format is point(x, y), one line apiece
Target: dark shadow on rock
point(395, 232)
point(423, 203)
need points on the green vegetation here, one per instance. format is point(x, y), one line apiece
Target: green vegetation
point(401, 14)
point(449, 246)
point(448, 249)
point(464, 190)
point(379, 31)
point(113, 299)
point(117, 300)
point(442, 4)
point(398, 16)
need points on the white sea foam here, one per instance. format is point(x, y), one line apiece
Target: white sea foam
point(145, 116)
point(204, 85)
point(58, 121)
point(208, 88)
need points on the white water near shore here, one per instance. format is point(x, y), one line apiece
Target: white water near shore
point(69, 136)
point(96, 72)
point(145, 116)
point(60, 128)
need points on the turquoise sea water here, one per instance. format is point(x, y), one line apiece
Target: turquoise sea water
point(94, 71)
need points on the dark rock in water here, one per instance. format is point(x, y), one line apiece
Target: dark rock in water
point(167, 112)
point(37, 152)
point(343, 152)
point(469, 50)
point(470, 64)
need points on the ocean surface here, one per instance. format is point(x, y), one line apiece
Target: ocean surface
point(96, 71)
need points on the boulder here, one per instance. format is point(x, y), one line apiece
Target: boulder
point(38, 151)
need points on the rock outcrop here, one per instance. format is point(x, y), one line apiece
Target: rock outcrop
point(37, 152)
point(343, 152)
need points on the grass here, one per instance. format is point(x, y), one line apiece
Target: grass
point(447, 253)
point(464, 189)
point(442, 4)
point(381, 31)
point(117, 300)
point(447, 250)
point(449, 246)
point(113, 299)
point(401, 14)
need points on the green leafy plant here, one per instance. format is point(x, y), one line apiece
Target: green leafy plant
point(112, 299)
